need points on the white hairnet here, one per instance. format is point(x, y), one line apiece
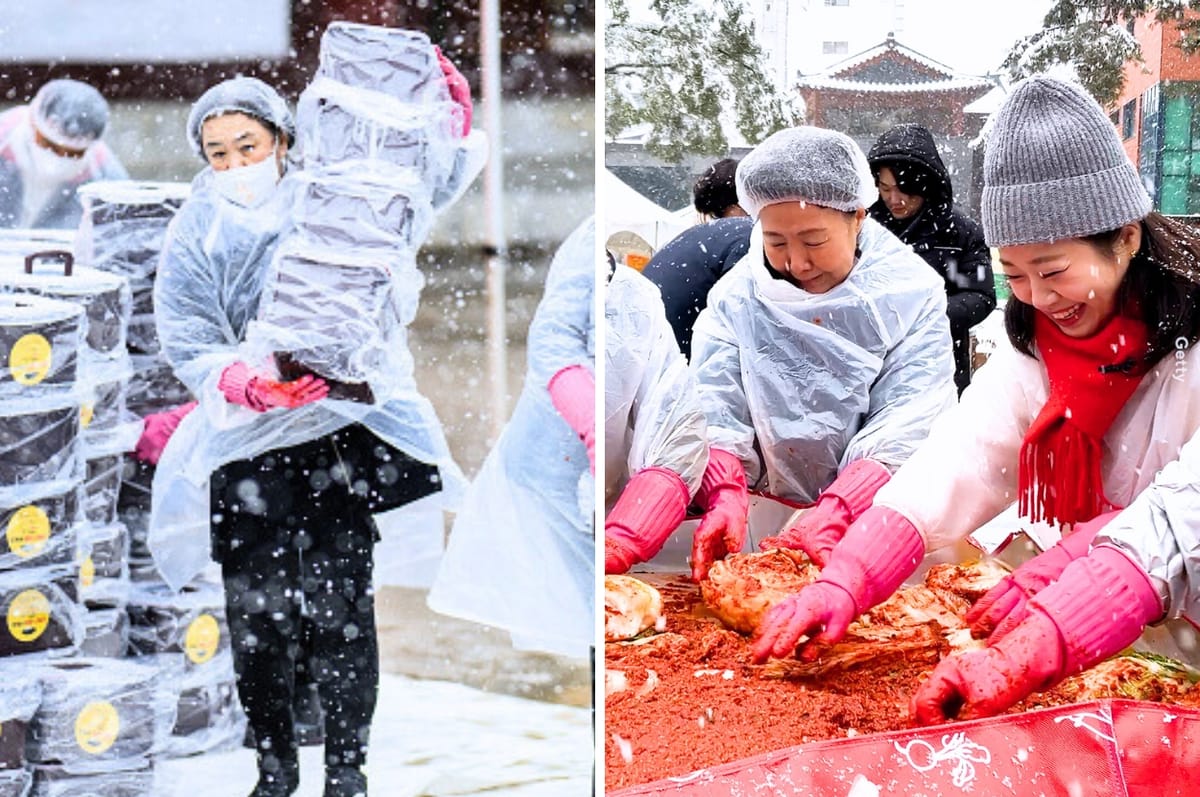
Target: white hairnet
point(69, 113)
point(241, 95)
point(805, 164)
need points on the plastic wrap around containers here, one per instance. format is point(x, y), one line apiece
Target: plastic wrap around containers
point(104, 565)
point(362, 204)
point(40, 446)
point(42, 526)
point(106, 297)
point(122, 230)
point(330, 310)
point(20, 695)
point(25, 240)
point(41, 611)
point(209, 717)
point(106, 633)
point(40, 343)
point(398, 62)
point(15, 782)
point(191, 622)
point(132, 777)
point(153, 386)
point(102, 486)
point(338, 123)
point(99, 712)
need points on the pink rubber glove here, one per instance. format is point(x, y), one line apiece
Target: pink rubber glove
point(157, 430)
point(651, 506)
point(726, 506)
point(1005, 604)
point(240, 385)
point(460, 89)
point(817, 530)
point(1097, 607)
point(879, 551)
point(573, 393)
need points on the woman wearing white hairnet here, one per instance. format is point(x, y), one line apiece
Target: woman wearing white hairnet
point(823, 357)
point(48, 149)
point(295, 477)
point(655, 448)
point(521, 555)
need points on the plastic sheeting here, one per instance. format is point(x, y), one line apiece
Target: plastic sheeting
point(41, 611)
point(40, 448)
point(104, 565)
point(652, 413)
point(121, 231)
point(106, 633)
point(523, 514)
point(15, 782)
point(191, 622)
point(400, 63)
point(40, 343)
point(367, 205)
point(41, 528)
point(209, 717)
point(798, 385)
point(20, 695)
point(102, 711)
point(1117, 747)
point(128, 778)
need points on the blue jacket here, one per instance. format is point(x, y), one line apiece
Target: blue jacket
point(690, 264)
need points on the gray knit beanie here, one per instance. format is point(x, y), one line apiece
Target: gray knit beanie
point(1054, 168)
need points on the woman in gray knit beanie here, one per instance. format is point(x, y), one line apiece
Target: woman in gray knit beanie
point(1086, 420)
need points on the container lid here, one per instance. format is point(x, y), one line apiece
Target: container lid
point(135, 192)
point(22, 241)
point(55, 271)
point(65, 679)
point(23, 310)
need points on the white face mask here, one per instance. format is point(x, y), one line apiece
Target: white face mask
point(52, 167)
point(248, 186)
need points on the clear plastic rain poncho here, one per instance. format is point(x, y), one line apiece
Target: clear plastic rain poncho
point(207, 291)
point(798, 385)
point(521, 554)
point(652, 414)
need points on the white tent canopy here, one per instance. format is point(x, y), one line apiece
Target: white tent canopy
point(625, 210)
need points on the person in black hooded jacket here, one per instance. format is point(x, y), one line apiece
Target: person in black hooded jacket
point(916, 202)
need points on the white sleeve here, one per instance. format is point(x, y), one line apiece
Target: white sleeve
point(716, 361)
point(965, 473)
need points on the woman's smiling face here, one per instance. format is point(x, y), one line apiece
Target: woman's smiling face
point(1074, 281)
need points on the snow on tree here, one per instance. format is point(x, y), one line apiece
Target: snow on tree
point(1093, 37)
point(685, 67)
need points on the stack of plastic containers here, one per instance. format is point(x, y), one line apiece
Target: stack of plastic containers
point(107, 430)
point(381, 143)
point(122, 232)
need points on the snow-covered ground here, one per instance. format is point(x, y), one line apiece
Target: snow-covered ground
point(432, 738)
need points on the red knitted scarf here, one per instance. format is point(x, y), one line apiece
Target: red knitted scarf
point(1091, 378)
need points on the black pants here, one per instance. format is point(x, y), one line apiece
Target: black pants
point(293, 531)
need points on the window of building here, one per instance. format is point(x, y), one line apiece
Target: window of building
point(835, 48)
point(1127, 119)
point(1115, 116)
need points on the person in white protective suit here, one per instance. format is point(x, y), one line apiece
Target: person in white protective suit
point(282, 481)
point(1087, 418)
point(48, 149)
point(655, 447)
point(521, 554)
point(823, 357)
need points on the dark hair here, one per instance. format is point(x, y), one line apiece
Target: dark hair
point(715, 191)
point(1162, 285)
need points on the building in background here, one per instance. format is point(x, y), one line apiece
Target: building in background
point(1158, 118)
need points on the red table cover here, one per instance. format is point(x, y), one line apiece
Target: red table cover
point(1103, 747)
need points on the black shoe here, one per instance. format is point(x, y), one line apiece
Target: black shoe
point(277, 778)
point(345, 782)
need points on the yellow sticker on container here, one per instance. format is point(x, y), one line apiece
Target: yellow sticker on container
point(28, 531)
point(29, 359)
point(202, 637)
point(97, 726)
point(87, 573)
point(28, 615)
point(86, 413)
